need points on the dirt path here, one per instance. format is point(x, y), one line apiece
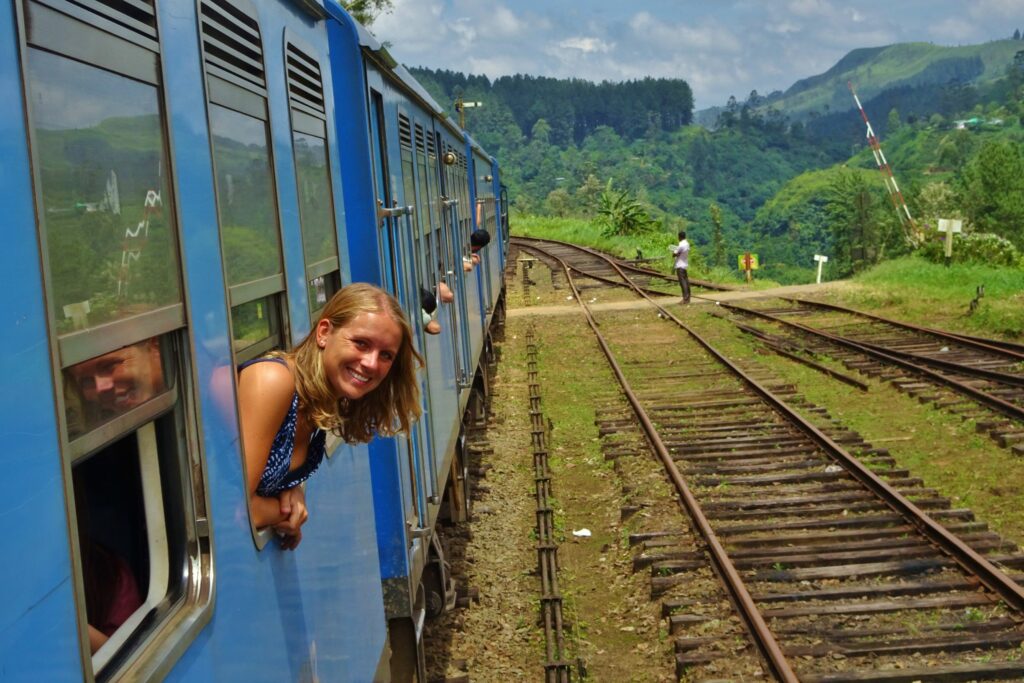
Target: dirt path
point(710, 298)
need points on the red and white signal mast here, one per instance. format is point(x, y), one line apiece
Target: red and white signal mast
point(912, 233)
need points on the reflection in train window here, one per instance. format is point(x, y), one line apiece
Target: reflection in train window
point(110, 243)
point(245, 196)
point(316, 214)
point(102, 388)
point(249, 229)
point(256, 327)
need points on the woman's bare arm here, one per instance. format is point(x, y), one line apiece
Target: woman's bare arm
point(265, 392)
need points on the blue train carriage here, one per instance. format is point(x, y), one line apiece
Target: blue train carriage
point(416, 210)
point(173, 191)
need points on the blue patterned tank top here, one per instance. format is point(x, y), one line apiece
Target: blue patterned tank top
point(276, 475)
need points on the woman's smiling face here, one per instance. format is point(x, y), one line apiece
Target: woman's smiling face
point(358, 356)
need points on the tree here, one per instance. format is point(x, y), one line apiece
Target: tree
point(863, 227)
point(717, 240)
point(993, 190)
point(365, 11)
point(893, 123)
point(587, 195)
point(559, 203)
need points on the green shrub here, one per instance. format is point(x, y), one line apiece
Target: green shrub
point(975, 247)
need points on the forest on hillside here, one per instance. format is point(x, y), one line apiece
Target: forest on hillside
point(627, 157)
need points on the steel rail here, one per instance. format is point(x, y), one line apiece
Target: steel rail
point(994, 402)
point(763, 637)
point(965, 340)
point(952, 366)
point(969, 559)
point(592, 276)
point(636, 269)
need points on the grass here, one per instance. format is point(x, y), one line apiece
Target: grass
point(934, 295)
point(586, 232)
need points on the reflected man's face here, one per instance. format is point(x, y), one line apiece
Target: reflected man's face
point(122, 379)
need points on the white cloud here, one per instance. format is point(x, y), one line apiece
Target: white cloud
point(989, 9)
point(783, 27)
point(719, 48)
point(953, 30)
point(505, 23)
point(585, 44)
point(810, 8)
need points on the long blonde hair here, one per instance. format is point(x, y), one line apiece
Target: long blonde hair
point(392, 406)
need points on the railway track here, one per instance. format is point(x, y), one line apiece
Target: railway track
point(603, 271)
point(841, 566)
point(979, 379)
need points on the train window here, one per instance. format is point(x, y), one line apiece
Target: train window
point(409, 193)
point(313, 175)
point(103, 178)
point(316, 213)
point(426, 214)
point(429, 180)
point(245, 185)
point(244, 177)
point(249, 226)
point(245, 196)
point(112, 279)
point(256, 326)
point(133, 553)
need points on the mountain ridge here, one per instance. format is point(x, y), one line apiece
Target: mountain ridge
point(874, 70)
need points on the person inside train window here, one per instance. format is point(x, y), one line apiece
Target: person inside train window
point(108, 508)
point(477, 241)
point(111, 591)
point(428, 304)
point(354, 375)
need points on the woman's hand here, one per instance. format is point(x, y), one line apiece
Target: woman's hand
point(293, 508)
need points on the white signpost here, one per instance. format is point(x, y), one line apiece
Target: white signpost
point(949, 226)
point(821, 260)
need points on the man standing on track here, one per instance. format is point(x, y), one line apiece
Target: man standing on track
point(682, 253)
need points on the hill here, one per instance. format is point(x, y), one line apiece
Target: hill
point(876, 71)
point(787, 175)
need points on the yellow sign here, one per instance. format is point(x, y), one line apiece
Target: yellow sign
point(747, 261)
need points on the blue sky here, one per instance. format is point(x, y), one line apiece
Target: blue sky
point(720, 47)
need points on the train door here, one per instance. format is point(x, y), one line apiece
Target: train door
point(416, 248)
point(440, 185)
point(459, 242)
point(390, 220)
point(483, 205)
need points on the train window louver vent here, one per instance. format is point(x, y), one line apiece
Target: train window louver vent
point(305, 83)
point(420, 142)
point(231, 43)
point(431, 150)
point(404, 131)
point(135, 16)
